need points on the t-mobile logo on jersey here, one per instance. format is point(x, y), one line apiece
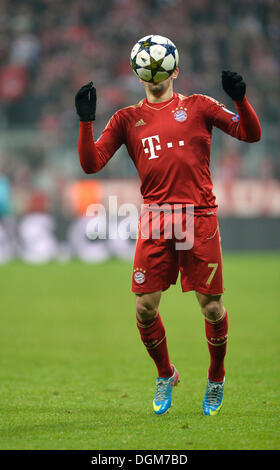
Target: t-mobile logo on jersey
point(151, 148)
point(154, 145)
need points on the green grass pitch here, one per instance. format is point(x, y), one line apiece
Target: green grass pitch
point(75, 375)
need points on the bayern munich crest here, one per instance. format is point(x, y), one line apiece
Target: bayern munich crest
point(180, 115)
point(139, 276)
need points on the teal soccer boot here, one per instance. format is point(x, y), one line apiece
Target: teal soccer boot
point(213, 398)
point(163, 397)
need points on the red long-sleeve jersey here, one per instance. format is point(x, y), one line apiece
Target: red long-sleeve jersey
point(169, 144)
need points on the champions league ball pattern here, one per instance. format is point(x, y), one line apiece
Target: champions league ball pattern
point(154, 58)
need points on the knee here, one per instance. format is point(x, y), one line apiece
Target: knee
point(213, 311)
point(145, 310)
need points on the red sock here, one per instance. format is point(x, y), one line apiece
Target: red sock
point(153, 336)
point(216, 334)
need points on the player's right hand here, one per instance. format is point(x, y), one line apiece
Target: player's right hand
point(85, 102)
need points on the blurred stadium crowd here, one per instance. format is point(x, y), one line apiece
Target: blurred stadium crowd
point(49, 48)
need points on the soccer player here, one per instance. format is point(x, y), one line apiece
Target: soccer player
point(168, 137)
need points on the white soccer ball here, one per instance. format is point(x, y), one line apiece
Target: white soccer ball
point(154, 58)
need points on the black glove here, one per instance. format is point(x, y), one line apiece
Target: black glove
point(233, 85)
point(85, 102)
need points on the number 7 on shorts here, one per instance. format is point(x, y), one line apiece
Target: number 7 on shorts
point(214, 267)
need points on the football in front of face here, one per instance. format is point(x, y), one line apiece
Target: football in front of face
point(154, 58)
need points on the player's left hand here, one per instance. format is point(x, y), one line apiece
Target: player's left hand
point(234, 85)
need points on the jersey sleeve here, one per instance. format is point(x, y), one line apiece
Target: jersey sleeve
point(243, 125)
point(95, 155)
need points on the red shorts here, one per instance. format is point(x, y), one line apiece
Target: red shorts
point(157, 262)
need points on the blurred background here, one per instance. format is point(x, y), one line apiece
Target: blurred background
point(49, 48)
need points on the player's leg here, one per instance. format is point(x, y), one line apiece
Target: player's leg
point(201, 270)
point(155, 267)
point(153, 336)
point(152, 331)
point(216, 329)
